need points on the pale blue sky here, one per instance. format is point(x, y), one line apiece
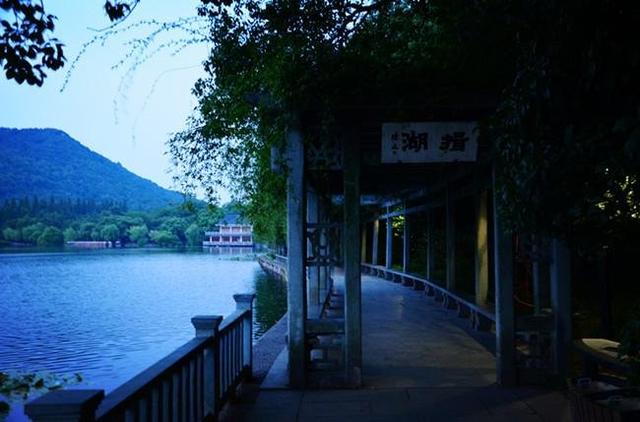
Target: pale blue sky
point(131, 133)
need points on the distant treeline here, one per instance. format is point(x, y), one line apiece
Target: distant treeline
point(51, 222)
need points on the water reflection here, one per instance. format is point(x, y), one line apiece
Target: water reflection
point(110, 314)
point(227, 250)
point(271, 302)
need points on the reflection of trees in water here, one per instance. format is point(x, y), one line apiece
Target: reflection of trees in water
point(270, 304)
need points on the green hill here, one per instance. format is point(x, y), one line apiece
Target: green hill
point(49, 163)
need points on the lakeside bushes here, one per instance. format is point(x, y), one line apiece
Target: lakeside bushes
point(51, 223)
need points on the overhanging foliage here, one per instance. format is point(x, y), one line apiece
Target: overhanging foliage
point(563, 75)
point(565, 130)
point(278, 61)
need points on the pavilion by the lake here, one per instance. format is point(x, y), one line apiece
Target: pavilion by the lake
point(231, 231)
point(414, 200)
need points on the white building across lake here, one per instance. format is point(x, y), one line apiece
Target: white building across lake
point(231, 232)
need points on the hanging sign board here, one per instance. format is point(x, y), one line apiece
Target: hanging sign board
point(429, 142)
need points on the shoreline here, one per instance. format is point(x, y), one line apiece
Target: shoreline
point(270, 344)
point(267, 348)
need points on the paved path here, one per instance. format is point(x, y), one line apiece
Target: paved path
point(421, 363)
point(267, 349)
point(411, 341)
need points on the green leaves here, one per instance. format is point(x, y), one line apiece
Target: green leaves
point(566, 130)
point(51, 236)
point(26, 45)
point(20, 386)
point(139, 235)
point(563, 75)
point(314, 59)
point(118, 10)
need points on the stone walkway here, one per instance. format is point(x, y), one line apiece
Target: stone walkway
point(267, 349)
point(421, 363)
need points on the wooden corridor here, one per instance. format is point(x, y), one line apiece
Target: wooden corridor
point(412, 341)
point(421, 362)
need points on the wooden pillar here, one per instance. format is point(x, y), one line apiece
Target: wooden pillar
point(482, 250)
point(406, 244)
point(505, 323)
point(374, 242)
point(324, 250)
point(296, 297)
point(535, 275)
point(313, 276)
point(388, 256)
point(450, 241)
point(560, 276)
point(363, 244)
point(430, 245)
point(353, 308)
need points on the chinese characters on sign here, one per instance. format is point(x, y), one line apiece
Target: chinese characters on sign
point(429, 142)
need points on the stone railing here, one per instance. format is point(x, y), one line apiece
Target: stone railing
point(277, 267)
point(192, 383)
point(274, 267)
point(281, 260)
point(482, 319)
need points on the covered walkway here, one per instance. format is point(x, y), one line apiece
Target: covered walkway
point(410, 340)
point(421, 362)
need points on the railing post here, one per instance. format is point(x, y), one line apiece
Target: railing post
point(207, 326)
point(65, 405)
point(244, 302)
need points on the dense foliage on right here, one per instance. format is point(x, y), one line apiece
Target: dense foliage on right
point(561, 75)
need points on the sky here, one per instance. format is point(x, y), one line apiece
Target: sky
point(132, 128)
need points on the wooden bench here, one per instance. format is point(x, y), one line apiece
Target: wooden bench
point(598, 353)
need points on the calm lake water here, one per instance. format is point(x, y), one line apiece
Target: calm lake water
point(110, 314)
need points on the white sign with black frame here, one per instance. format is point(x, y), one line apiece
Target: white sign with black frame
point(429, 142)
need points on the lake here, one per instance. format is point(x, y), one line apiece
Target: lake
point(109, 314)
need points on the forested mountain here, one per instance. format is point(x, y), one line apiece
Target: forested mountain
point(48, 163)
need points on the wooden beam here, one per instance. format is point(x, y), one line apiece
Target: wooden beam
point(296, 242)
point(432, 195)
point(419, 208)
point(449, 177)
